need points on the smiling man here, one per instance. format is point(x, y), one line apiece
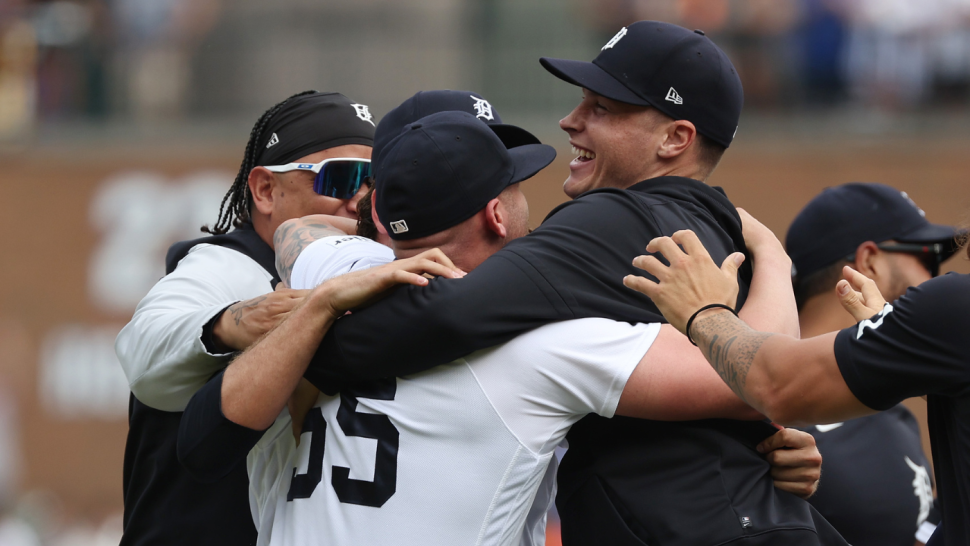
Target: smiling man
point(661, 103)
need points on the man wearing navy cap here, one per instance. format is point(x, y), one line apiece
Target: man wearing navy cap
point(877, 489)
point(624, 481)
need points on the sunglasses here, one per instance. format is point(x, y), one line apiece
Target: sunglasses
point(931, 256)
point(337, 177)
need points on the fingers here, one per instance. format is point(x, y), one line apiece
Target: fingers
point(667, 247)
point(420, 264)
point(436, 255)
point(688, 239)
point(731, 264)
point(852, 301)
point(651, 265)
point(803, 490)
point(786, 437)
point(642, 285)
point(870, 292)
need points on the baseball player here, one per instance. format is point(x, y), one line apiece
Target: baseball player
point(915, 346)
point(518, 399)
point(623, 481)
point(308, 154)
point(877, 490)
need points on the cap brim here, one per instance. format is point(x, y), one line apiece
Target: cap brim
point(529, 159)
point(592, 77)
point(513, 136)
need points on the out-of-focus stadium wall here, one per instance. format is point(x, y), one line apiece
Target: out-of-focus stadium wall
point(85, 231)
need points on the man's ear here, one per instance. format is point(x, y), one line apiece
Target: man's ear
point(865, 259)
point(261, 183)
point(373, 214)
point(496, 217)
point(677, 139)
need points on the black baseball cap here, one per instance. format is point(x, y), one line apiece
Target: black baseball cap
point(680, 72)
point(442, 169)
point(838, 220)
point(310, 122)
point(425, 103)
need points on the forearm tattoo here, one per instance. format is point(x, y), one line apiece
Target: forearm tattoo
point(730, 346)
point(292, 238)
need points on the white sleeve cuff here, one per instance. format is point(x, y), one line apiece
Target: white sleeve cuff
point(925, 531)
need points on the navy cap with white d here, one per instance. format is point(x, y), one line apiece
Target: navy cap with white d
point(680, 72)
point(838, 220)
point(443, 169)
point(425, 103)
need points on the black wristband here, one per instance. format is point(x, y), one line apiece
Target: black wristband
point(705, 308)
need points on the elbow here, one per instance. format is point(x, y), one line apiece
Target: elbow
point(783, 405)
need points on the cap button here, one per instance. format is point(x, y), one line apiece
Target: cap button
point(699, 31)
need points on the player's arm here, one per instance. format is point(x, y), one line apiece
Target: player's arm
point(791, 381)
point(674, 381)
point(165, 350)
point(293, 236)
point(225, 419)
point(570, 267)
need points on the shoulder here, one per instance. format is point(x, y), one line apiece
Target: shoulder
point(329, 257)
point(577, 337)
point(206, 258)
point(950, 291)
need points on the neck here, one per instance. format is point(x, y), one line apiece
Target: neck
point(261, 225)
point(822, 314)
point(681, 168)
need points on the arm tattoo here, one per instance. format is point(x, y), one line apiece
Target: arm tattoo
point(237, 310)
point(730, 346)
point(290, 240)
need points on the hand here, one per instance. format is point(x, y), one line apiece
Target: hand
point(300, 403)
point(859, 294)
point(343, 293)
point(757, 237)
point(244, 322)
point(796, 464)
point(692, 280)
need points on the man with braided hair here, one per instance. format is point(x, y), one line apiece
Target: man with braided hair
point(307, 155)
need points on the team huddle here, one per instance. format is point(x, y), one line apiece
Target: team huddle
point(371, 347)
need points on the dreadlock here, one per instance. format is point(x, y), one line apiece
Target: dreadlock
point(239, 197)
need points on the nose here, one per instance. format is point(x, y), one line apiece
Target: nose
point(572, 122)
point(352, 202)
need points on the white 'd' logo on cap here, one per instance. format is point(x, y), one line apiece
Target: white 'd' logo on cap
point(911, 202)
point(399, 227)
point(482, 109)
point(363, 113)
point(614, 40)
point(674, 97)
point(273, 141)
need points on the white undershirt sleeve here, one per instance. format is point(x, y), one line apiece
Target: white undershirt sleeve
point(161, 349)
point(332, 256)
point(545, 380)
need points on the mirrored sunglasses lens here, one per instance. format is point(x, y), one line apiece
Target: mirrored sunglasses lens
point(341, 179)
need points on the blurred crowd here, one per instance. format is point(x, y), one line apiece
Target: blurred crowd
point(882, 54)
point(134, 59)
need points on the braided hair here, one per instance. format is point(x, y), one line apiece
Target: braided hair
point(239, 197)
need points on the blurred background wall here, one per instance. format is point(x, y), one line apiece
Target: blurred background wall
point(122, 123)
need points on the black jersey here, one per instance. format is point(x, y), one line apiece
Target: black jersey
point(920, 345)
point(876, 488)
point(164, 504)
point(623, 481)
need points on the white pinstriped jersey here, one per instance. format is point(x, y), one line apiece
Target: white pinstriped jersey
point(453, 455)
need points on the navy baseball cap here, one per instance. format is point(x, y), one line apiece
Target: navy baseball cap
point(443, 169)
point(425, 103)
point(680, 72)
point(838, 220)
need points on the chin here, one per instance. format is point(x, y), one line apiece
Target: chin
point(575, 188)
